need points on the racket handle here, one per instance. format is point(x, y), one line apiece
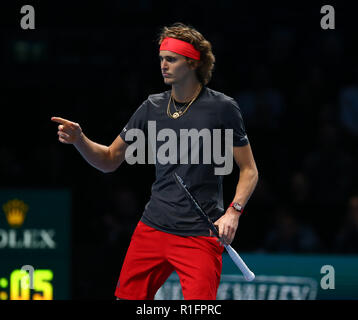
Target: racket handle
point(248, 274)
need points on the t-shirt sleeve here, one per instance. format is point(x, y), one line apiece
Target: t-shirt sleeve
point(137, 121)
point(232, 119)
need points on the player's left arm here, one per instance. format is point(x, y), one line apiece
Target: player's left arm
point(248, 178)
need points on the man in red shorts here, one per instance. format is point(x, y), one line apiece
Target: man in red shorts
point(170, 236)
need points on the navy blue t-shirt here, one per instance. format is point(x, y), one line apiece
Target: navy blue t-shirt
point(186, 145)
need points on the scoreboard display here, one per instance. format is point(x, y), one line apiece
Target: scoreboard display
point(34, 244)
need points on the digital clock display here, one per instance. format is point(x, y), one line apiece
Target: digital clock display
point(12, 288)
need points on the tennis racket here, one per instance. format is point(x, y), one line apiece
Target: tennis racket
point(248, 274)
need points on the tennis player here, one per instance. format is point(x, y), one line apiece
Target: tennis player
point(170, 236)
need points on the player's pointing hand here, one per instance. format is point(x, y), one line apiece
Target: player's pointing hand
point(68, 132)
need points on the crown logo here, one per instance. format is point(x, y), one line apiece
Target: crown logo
point(15, 212)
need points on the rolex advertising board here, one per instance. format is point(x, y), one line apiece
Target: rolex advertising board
point(34, 244)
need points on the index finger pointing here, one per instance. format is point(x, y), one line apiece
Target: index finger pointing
point(60, 120)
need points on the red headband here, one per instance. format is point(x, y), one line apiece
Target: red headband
point(180, 47)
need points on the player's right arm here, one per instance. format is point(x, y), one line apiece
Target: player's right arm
point(103, 158)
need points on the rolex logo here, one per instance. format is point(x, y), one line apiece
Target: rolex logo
point(15, 212)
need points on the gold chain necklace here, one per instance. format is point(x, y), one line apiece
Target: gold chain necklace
point(180, 108)
point(179, 113)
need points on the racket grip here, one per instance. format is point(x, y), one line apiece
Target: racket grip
point(248, 274)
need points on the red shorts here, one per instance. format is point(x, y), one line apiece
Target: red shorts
point(153, 255)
